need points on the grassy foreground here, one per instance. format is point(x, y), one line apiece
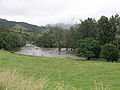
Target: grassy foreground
point(20, 72)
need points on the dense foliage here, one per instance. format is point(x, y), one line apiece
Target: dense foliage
point(52, 38)
point(46, 39)
point(9, 40)
point(100, 32)
point(89, 48)
point(88, 28)
point(110, 52)
point(105, 30)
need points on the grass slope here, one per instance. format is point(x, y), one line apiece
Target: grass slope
point(61, 73)
point(19, 27)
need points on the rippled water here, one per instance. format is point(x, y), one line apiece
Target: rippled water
point(30, 49)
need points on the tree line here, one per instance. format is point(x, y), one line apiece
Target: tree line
point(86, 38)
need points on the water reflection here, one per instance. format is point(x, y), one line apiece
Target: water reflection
point(30, 49)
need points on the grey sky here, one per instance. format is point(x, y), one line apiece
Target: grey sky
point(41, 12)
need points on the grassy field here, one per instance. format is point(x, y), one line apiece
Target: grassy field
point(20, 72)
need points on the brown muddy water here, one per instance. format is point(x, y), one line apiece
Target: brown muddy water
point(33, 50)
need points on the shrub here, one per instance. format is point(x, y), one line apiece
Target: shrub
point(88, 48)
point(110, 52)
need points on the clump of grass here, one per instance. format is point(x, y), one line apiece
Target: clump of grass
point(63, 86)
point(11, 80)
point(101, 86)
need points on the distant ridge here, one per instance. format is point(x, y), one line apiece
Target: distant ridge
point(21, 25)
point(65, 26)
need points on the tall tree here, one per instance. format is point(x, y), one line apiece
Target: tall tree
point(108, 29)
point(46, 39)
point(114, 24)
point(104, 30)
point(88, 28)
point(74, 36)
point(115, 28)
point(58, 36)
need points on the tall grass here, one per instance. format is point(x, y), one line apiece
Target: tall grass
point(12, 80)
point(20, 72)
point(101, 86)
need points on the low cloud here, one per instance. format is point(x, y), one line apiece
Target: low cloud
point(41, 12)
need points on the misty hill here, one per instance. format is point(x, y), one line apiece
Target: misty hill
point(65, 26)
point(21, 26)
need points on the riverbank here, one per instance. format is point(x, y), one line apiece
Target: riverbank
point(20, 71)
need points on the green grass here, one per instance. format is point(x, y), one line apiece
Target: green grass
point(63, 72)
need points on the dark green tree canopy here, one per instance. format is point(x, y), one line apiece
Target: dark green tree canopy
point(8, 40)
point(88, 47)
point(104, 30)
point(109, 52)
point(88, 28)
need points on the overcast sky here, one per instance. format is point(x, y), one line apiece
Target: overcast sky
point(41, 12)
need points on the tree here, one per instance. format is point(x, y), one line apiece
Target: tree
point(58, 36)
point(74, 36)
point(114, 27)
point(9, 40)
point(47, 39)
point(88, 28)
point(66, 39)
point(109, 52)
point(107, 29)
point(88, 48)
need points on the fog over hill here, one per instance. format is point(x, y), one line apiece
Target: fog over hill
point(65, 26)
point(31, 27)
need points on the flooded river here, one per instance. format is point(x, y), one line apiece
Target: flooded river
point(30, 49)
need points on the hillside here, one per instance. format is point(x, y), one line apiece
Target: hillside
point(21, 26)
point(20, 72)
point(65, 26)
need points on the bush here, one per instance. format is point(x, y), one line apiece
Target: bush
point(110, 52)
point(88, 48)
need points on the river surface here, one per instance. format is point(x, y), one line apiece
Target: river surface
point(33, 50)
